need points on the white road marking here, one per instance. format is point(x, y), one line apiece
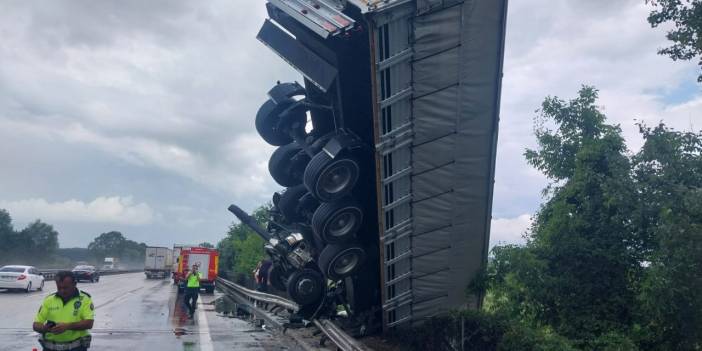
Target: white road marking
point(205, 337)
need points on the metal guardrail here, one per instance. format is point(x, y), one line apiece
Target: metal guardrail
point(49, 273)
point(259, 296)
point(338, 336)
point(335, 334)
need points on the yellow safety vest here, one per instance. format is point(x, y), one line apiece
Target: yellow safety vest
point(194, 281)
point(78, 308)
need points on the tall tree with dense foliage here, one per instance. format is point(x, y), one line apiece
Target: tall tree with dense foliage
point(107, 245)
point(114, 244)
point(41, 238)
point(35, 244)
point(613, 259)
point(668, 175)
point(580, 237)
point(6, 229)
point(686, 35)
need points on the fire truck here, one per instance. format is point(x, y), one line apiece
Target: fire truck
point(208, 261)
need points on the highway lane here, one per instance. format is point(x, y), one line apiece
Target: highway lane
point(133, 313)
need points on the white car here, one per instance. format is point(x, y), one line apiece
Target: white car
point(25, 278)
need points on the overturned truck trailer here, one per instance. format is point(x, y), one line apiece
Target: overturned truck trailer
point(403, 99)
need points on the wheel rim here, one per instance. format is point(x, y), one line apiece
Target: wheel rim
point(346, 262)
point(306, 286)
point(342, 223)
point(337, 177)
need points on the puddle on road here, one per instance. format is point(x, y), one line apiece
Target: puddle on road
point(189, 346)
point(227, 308)
point(185, 330)
point(178, 315)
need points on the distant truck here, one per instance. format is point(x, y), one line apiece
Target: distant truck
point(110, 264)
point(207, 260)
point(158, 262)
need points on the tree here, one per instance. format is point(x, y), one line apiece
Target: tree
point(114, 244)
point(614, 255)
point(668, 174)
point(580, 263)
point(107, 245)
point(207, 245)
point(6, 230)
point(41, 238)
point(249, 252)
point(133, 253)
point(7, 236)
point(578, 123)
point(242, 248)
point(686, 34)
point(5, 223)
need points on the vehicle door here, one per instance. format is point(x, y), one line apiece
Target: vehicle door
point(35, 277)
point(31, 277)
point(203, 261)
point(28, 276)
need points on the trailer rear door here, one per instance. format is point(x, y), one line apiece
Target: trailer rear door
point(203, 261)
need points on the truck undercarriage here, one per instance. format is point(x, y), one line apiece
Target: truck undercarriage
point(386, 152)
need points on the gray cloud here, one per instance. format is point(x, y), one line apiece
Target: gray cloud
point(113, 209)
point(156, 100)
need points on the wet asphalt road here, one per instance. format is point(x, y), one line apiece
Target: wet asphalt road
point(133, 313)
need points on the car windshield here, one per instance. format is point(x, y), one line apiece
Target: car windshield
point(12, 269)
point(83, 268)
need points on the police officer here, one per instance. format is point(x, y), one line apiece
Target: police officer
point(192, 289)
point(65, 317)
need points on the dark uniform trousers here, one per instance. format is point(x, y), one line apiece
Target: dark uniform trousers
point(191, 295)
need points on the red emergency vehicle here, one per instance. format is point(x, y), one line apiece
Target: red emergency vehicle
point(206, 259)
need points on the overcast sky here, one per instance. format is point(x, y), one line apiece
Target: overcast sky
point(137, 116)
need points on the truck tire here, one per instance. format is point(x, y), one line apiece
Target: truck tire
point(340, 261)
point(289, 203)
point(287, 165)
point(330, 179)
point(268, 122)
point(305, 287)
point(277, 278)
point(338, 222)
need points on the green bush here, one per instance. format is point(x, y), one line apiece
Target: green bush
point(613, 342)
point(480, 331)
point(522, 338)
